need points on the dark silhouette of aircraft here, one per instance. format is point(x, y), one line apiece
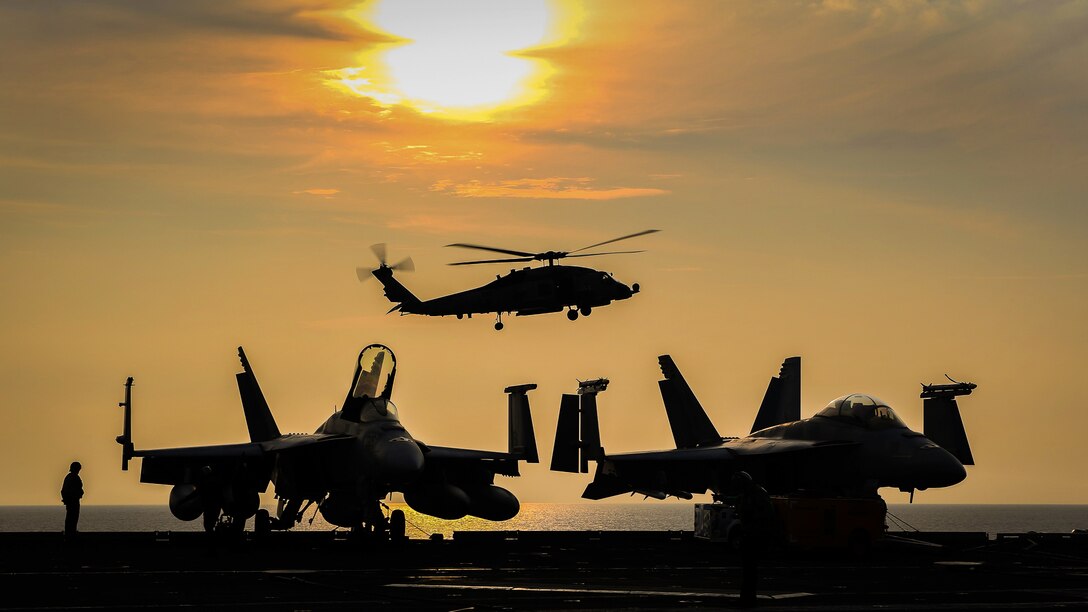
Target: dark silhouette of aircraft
point(853, 446)
point(358, 456)
point(528, 291)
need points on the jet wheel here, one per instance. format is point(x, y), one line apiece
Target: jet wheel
point(498, 326)
point(586, 310)
point(572, 314)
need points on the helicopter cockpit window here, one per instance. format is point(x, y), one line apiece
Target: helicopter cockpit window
point(376, 364)
point(864, 410)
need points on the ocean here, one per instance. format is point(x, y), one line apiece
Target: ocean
point(647, 516)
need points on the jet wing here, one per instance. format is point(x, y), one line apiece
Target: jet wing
point(682, 472)
point(748, 447)
point(494, 461)
point(679, 455)
point(180, 465)
point(479, 463)
point(740, 447)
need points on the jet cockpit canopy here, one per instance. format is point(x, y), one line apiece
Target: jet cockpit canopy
point(368, 398)
point(374, 377)
point(864, 410)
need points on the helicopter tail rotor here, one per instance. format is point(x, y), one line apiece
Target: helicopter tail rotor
point(379, 250)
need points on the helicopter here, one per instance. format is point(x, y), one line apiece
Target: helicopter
point(550, 287)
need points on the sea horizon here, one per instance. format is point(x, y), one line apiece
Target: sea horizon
point(575, 516)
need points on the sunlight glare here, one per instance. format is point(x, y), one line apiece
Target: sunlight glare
point(459, 59)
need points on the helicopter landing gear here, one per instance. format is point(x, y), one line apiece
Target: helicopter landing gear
point(586, 310)
point(498, 321)
point(572, 314)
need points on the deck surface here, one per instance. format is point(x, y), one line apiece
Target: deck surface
point(531, 570)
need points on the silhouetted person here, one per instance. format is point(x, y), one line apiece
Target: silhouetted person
point(756, 519)
point(70, 493)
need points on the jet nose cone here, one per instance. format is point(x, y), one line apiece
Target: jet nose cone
point(939, 467)
point(400, 461)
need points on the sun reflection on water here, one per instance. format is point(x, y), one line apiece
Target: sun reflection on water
point(543, 517)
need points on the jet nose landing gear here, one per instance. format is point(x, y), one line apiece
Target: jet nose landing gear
point(498, 321)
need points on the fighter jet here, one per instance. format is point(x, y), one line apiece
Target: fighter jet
point(357, 457)
point(854, 446)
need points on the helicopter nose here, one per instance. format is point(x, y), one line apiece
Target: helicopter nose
point(399, 460)
point(937, 467)
point(622, 291)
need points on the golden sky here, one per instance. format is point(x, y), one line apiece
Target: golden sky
point(892, 190)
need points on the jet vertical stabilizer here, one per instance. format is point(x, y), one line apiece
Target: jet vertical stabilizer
point(522, 438)
point(262, 427)
point(941, 421)
point(782, 402)
point(691, 427)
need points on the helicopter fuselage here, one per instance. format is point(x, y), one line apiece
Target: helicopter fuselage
point(529, 291)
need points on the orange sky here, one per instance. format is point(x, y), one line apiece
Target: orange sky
point(893, 190)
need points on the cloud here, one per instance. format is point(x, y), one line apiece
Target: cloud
point(317, 191)
point(553, 188)
point(67, 19)
point(436, 223)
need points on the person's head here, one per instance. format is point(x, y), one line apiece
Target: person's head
point(76, 467)
point(742, 481)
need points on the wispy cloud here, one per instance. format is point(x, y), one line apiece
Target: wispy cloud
point(436, 224)
point(553, 188)
point(317, 191)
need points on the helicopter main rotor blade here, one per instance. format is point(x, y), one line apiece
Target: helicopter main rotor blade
point(493, 249)
point(379, 251)
point(642, 233)
point(605, 253)
point(487, 261)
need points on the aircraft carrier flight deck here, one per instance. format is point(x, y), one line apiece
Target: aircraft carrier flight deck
point(533, 570)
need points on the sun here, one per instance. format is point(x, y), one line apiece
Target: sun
point(457, 59)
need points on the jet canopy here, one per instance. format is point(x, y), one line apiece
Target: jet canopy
point(374, 374)
point(368, 398)
point(864, 410)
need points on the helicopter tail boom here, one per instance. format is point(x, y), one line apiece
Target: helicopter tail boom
point(394, 291)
